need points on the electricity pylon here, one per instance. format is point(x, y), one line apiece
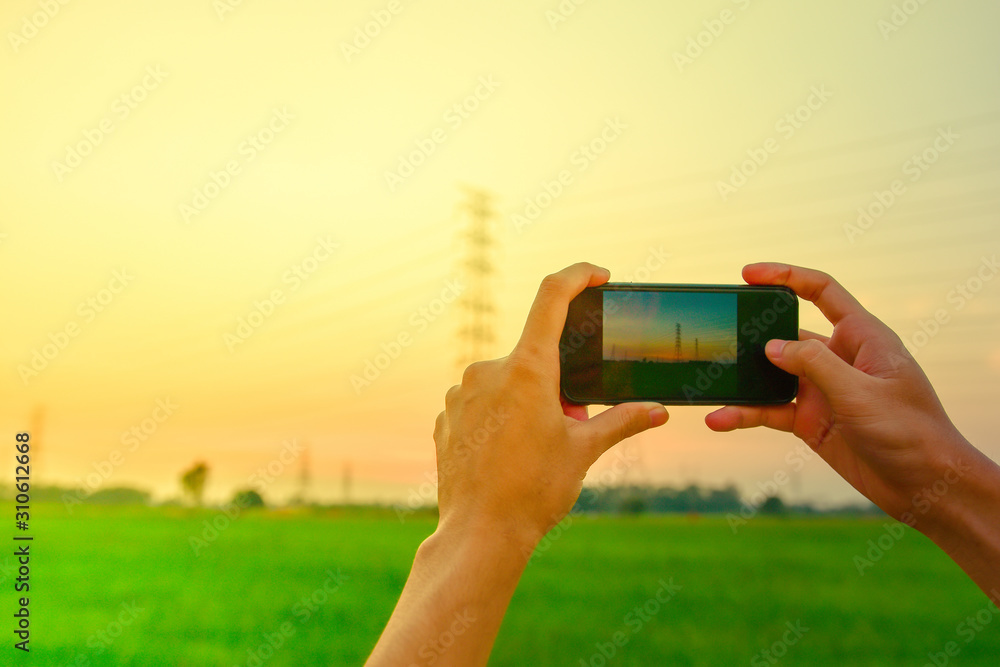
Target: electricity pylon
point(476, 331)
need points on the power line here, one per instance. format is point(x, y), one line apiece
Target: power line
point(711, 175)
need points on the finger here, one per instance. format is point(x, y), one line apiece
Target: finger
point(815, 361)
point(805, 334)
point(451, 395)
point(732, 417)
point(441, 431)
point(830, 297)
point(547, 316)
point(620, 422)
point(577, 412)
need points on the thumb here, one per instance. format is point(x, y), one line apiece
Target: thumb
point(813, 360)
point(620, 422)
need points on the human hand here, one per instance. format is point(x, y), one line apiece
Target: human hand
point(864, 404)
point(511, 455)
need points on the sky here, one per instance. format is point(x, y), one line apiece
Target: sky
point(645, 326)
point(226, 227)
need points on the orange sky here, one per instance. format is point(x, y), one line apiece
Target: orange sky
point(169, 170)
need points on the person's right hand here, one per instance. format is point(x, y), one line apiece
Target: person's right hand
point(864, 405)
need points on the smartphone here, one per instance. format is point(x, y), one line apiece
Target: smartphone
point(677, 344)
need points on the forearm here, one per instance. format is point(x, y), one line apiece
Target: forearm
point(454, 600)
point(963, 513)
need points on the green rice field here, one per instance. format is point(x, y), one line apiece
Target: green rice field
point(124, 586)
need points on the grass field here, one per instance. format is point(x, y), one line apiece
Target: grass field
point(640, 379)
point(104, 566)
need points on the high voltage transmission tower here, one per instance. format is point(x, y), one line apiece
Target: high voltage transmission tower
point(677, 343)
point(476, 331)
point(302, 491)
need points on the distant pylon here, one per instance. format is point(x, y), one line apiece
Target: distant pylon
point(303, 490)
point(696, 349)
point(677, 343)
point(476, 331)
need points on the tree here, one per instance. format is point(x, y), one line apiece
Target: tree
point(773, 505)
point(248, 498)
point(633, 505)
point(193, 481)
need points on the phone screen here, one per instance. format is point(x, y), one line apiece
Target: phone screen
point(678, 344)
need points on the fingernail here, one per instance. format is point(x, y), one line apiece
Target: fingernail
point(658, 416)
point(774, 347)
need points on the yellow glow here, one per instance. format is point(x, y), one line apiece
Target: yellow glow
point(596, 144)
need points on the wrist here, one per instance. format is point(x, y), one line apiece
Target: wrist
point(501, 541)
point(462, 580)
point(962, 483)
point(960, 512)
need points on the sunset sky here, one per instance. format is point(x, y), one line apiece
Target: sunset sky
point(643, 325)
point(213, 216)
